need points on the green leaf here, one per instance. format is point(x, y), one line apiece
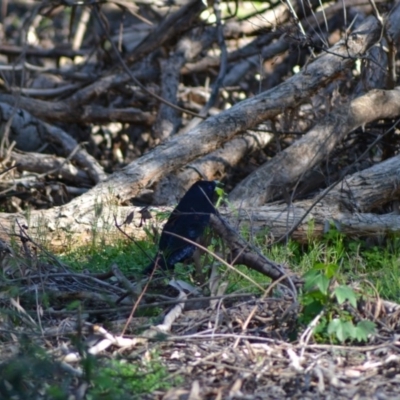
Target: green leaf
point(319, 266)
point(344, 293)
point(315, 296)
point(342, 329)
point(322, 283)
point(334, 326)
point(314, 279)
point(220, 192)
point(363, 329)
point(331, 270)
point(309, 279)
point(312, 309)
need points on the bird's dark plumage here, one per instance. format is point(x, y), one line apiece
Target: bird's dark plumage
point(188, 220)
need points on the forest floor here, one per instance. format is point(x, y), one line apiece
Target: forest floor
point(63, 333)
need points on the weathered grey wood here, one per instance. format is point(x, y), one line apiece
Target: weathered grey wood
point(347, 207)
point(279, 174)
point(95, 209)
point(216, 130)
point(30, 134)
point(47, 164)
point(368, 189)
point(213, 132)
point(190, 46)
point(66, 111)
point(171, 27)
point(213, 166)
point(264, 26)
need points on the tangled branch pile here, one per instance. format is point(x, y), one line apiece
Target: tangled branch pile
point(124, 101)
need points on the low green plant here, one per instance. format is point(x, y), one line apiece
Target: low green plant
point(120, 379)
point(32, 372)
point(222, 196)
point(322, 297)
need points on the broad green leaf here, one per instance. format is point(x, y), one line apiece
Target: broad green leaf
point(334, 326)
point(363, 329)
point(315, 295)
point(319, 267)
point(322, 283)
point(344, 293)
point(309, 279)
point(342, 329)
point(331, 270)
point(314, 279)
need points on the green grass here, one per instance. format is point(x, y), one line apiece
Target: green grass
point(127, 255)
point(356, 260)
point(329, 268)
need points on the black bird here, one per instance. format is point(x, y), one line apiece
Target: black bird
point(188, 220)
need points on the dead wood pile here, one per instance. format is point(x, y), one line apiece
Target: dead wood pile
point(292, 105)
